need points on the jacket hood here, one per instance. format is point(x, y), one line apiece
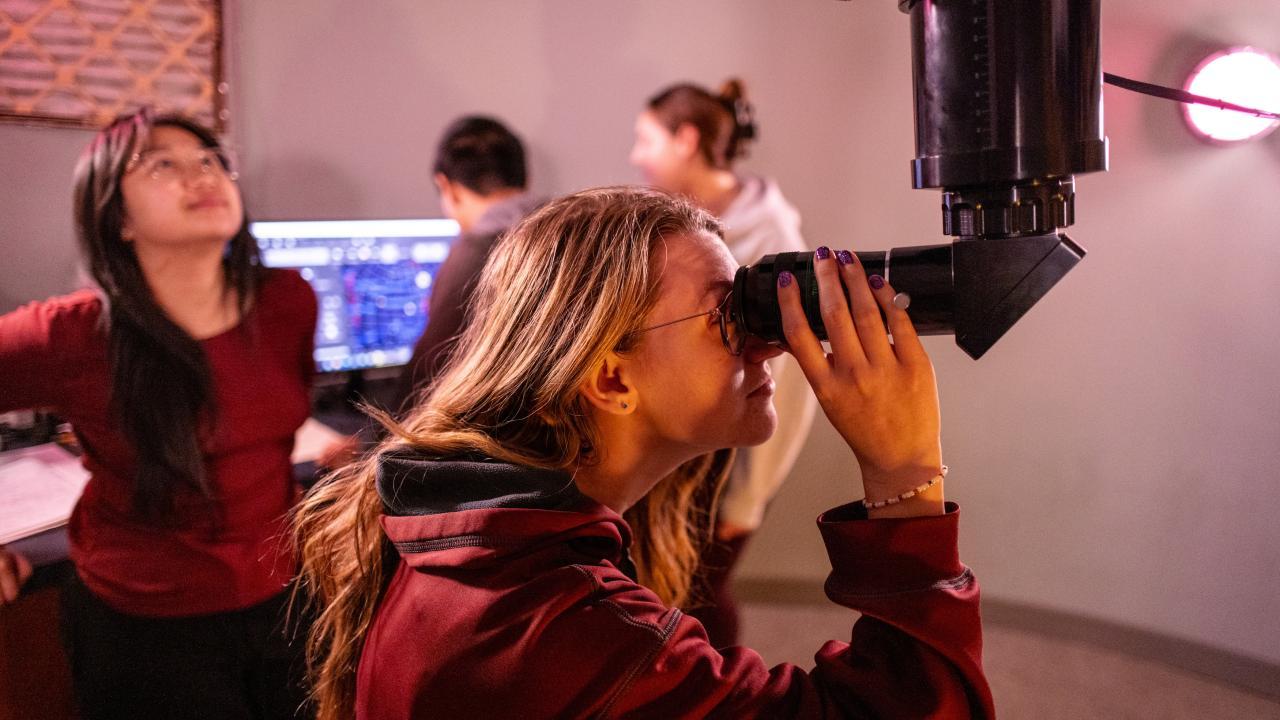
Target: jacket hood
point(474, 512)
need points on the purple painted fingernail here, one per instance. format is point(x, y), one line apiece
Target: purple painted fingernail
point(785, 278)
point(876, 281)
point(823, 252)
point(845, 257)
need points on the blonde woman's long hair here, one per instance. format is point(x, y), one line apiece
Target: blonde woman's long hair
point(568, 285)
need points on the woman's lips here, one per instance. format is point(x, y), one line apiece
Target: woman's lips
point(207, 203)
point(765, 389)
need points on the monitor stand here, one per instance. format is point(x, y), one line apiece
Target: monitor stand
point(338, 398)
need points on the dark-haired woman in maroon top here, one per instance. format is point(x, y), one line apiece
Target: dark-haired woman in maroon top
point(185, 374)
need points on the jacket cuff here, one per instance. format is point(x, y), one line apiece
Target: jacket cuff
point(890, 555)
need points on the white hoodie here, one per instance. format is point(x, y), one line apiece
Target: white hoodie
point(760, 222)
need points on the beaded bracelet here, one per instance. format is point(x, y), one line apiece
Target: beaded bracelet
point(906, 495)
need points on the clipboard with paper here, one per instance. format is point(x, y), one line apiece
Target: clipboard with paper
point(39, 486)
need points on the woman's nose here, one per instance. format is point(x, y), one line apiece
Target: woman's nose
point(198, 177)
point(757, 351)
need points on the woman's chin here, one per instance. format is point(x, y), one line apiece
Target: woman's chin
point(757, 428)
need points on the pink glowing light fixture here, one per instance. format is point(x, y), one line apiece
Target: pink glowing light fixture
point(1243, 76)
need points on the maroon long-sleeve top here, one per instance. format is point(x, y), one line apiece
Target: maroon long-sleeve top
point(514, 597)
point(54, 354)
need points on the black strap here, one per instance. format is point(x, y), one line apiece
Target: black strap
point(1182, 96)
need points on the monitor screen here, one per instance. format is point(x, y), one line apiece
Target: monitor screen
point(372, 279)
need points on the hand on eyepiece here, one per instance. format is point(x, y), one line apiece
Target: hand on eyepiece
point(881, 396)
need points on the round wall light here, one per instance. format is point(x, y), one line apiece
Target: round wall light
point(1244, 76)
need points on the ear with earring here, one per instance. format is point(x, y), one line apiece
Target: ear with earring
point(625, 405)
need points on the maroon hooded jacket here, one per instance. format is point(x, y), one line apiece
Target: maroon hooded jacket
point(515, 598)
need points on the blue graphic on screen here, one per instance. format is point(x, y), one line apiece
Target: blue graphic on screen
point(372, 280)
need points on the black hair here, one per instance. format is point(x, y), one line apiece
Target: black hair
point(161, 382)
point(482, 154)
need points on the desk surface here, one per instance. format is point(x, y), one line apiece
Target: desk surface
point(332, 411)
point(45, 548)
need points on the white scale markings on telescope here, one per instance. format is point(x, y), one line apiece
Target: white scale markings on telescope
point(982, 75)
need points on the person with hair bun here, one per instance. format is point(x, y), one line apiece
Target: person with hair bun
point(687, 142)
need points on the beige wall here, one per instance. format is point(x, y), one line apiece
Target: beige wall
point(37, 244)
point(1115, 454)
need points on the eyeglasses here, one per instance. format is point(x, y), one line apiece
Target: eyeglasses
point(171, 165)
point(731, 333)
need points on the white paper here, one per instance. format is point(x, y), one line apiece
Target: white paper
point(39, 487)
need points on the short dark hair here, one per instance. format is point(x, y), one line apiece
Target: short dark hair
point(482, 154)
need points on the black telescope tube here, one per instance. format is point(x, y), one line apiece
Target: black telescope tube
point(1008, 109)
point(922, 272)
point(974, 289)
point(1006, 91)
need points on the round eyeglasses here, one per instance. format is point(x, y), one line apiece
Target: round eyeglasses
point(731, 333)
point(166, 165)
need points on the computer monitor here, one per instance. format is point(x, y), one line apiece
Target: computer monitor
point(372, 280)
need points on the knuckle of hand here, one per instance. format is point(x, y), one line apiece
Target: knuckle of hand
point(865, 382)
point(824, 395)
